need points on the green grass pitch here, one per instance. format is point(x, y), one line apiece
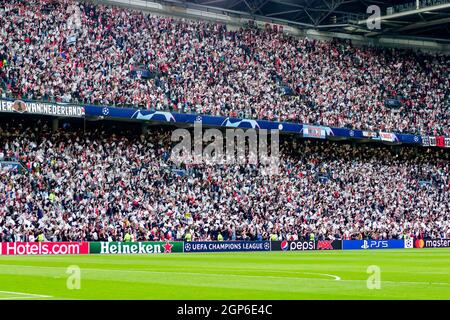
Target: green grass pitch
point(405, 274)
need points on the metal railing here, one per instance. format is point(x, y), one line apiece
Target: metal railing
point(420, 4)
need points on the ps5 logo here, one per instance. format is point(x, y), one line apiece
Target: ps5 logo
point(374, 244)
point(365, 245)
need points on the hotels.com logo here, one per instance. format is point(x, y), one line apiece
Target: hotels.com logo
point(43, 248)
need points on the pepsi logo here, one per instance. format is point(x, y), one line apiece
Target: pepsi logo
point(284, 245)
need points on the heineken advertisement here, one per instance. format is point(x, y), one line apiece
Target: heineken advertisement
point(134, 247)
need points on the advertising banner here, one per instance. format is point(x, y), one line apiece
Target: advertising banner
point(392, 103)
point(297, 245)
point(135, 247)
point(226, 246)
point(49, 109)
point(300, 245)
point(316, 132)
point(11, 165)
point(371, 135)
point(119, 113)
point(43, 248)
point(306, 130)
point(142, 73)
point(432, 243)
point(432, 141)
point(388, 136)
point(438, 141)
point(372, 244)
point(329, 245)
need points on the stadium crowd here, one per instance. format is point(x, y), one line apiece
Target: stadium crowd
point(115, 56)
point(105, 183)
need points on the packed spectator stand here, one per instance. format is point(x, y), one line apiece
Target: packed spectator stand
point(122, 57)
point(109, 180)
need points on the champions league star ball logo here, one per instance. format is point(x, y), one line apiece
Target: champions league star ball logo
point(154, 115)
point(284, 245)
point(245, 123)
point(409, 243)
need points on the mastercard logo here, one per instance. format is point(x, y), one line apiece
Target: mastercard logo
point(420, 243)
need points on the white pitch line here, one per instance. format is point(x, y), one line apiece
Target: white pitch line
point(403, 282)
point(336, 278)
point(27, 295)
point(233, 275)
point(19, 298)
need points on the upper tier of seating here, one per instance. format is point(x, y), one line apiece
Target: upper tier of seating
point(116, 56)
